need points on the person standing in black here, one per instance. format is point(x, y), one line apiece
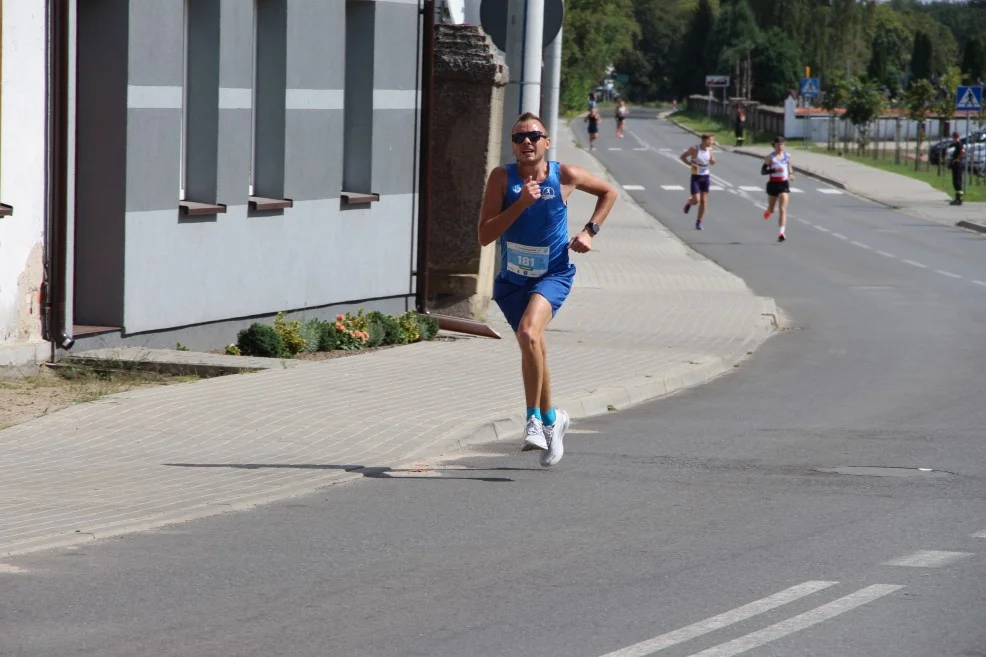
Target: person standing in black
point(740, 124)
point(958, 167)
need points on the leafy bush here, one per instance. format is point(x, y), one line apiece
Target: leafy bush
point(261, 340)
point(428, 326)
point(290, 333)
point(376, 328)
point(345, 333)
point(386, 325)
point(409, 328)
point(232, 350)
point(311, 333)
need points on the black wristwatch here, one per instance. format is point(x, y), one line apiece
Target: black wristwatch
point(592, 228)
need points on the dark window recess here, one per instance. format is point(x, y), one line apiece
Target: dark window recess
point(6, 210)
point(260, 203)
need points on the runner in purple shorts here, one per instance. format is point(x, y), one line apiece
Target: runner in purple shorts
point(699, 158)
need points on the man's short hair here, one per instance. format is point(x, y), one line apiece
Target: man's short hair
point(530, 116)
point(778, 139)
point(704, 137)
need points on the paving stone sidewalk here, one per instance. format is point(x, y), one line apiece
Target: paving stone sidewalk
point(647, 317)
point(913, 197)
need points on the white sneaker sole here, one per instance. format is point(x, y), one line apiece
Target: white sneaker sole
point(552, 456)
point(531, 445)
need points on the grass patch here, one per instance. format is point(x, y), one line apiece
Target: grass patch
point(720, 127)
point(976, 187)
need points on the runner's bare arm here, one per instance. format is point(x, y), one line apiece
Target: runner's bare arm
point(578, 178)
point(687, 156)
point(492, 221)
point(790, 169)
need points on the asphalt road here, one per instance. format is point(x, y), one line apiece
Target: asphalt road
point(709, 523)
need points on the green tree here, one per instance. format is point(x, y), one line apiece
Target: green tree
point(734, 36)
point(944, 103)
point(651, 61)
point(974, 60)
point(921, 57)
point(917, 100)
point(834, 97)
point(692, 65)
point(776, 67)
point(597, 33)
point(865, 102)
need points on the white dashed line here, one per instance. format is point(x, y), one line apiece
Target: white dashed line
point(749, 188)
point(861, 245)
point(795, 190)
point(886, 255)
point(947, 273)
point(839, 236)
point(823, 229)
point(977, 282)
point(644, 148)
point(615, 148)
point(981, 534)
point(673, 188)
point(633, 188)
point(800, 622)
point(726, 619)
point(7, 569)
point(806, 223)
point(927, 559)
point(828, 190)
point(664, 150)
point(716, 188)
point(719, 180)
point(916, 264)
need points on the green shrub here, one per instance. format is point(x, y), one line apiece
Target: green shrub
point(389, 325)
point(377, 329)
point(345, 333)
point(311, 333)
point(410, 331)
point(290, 333)
point(261, 340)
point(427, 326)
point(232, 350)
point(328, 337)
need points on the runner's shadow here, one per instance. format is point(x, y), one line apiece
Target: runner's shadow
point(370, 472)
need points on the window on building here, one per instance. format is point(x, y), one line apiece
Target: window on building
point(357, 144)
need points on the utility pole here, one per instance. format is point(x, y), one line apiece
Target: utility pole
point(552, 75)
point(525, 34)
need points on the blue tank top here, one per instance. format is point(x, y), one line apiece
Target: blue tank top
point(535, 244)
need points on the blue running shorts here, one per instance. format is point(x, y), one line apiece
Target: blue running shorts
point(513, 299)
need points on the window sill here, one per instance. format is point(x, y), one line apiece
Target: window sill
point(6, 210)
point(353, 198)
point(195, 209)
point(261, 203)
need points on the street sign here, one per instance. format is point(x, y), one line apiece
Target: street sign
point(493, 18)
point(809, 86)
point(622, 78)
point(969, 98)
point(716, 81)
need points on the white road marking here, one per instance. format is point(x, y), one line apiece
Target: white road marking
point(978, 282)
point(643, 148)
point(795, 190)
point(673, 188)
point(800, 622)
point(732, 191)
point(927, 559)
point(749, 188)
point(981, 534)
point(886, 255)
point(615, 148)
point(839, 236)
point(823, 229)
point(916, 264)
point(726, 619)
point(807, 223)
point(947, 273)
point(580, 431)
point(715, 188)
point(633, 188)
point(861, 245)
point(7, 569)
point(829, 190)
point(664, 150)
point(719, 180)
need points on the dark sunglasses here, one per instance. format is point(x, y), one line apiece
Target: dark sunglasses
point(535, 136)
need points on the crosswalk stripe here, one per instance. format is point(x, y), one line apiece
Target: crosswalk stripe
point(615, 148)
point(795, 190)
point(633, 188)
point(828, 190)
point(673, 188)
point(800, 622)
point(927, 559)
point(749, 188)
point(642, 148)
point(726, 619)
point(715, 188)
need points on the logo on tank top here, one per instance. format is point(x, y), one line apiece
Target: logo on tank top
point(516, 189)
point(548, 193)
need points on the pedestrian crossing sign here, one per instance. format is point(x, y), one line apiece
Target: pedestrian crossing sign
point(809, 86)
point(969, 98)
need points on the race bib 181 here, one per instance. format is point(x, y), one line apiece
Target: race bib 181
point(529, 261)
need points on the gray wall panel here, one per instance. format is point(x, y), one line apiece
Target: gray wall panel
point(152, 159)
point(313, 166)
point(316, 38)
point(395, 65)
point(393, 151)
point(156, 28)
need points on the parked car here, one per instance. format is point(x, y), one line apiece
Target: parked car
point(935, 152)
point(976, 154)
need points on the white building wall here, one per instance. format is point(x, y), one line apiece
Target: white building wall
point(22, 134)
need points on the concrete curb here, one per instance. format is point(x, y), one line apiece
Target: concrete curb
point(971, 225)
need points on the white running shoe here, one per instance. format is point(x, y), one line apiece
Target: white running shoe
point(534, 435)
point(555, 433)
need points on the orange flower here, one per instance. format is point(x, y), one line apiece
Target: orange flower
point(339, 318)
point(340, 327)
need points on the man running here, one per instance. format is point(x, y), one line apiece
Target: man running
point(622, 111)
point(525, 207)
point(778, 166)
point(699, 158)
point(593, 118)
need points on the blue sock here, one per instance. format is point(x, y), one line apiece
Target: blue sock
point(549, 416)
point(534, 412)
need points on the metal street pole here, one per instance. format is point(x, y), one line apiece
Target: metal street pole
point(514, 59)
point(530, 99)
point(552, 74)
